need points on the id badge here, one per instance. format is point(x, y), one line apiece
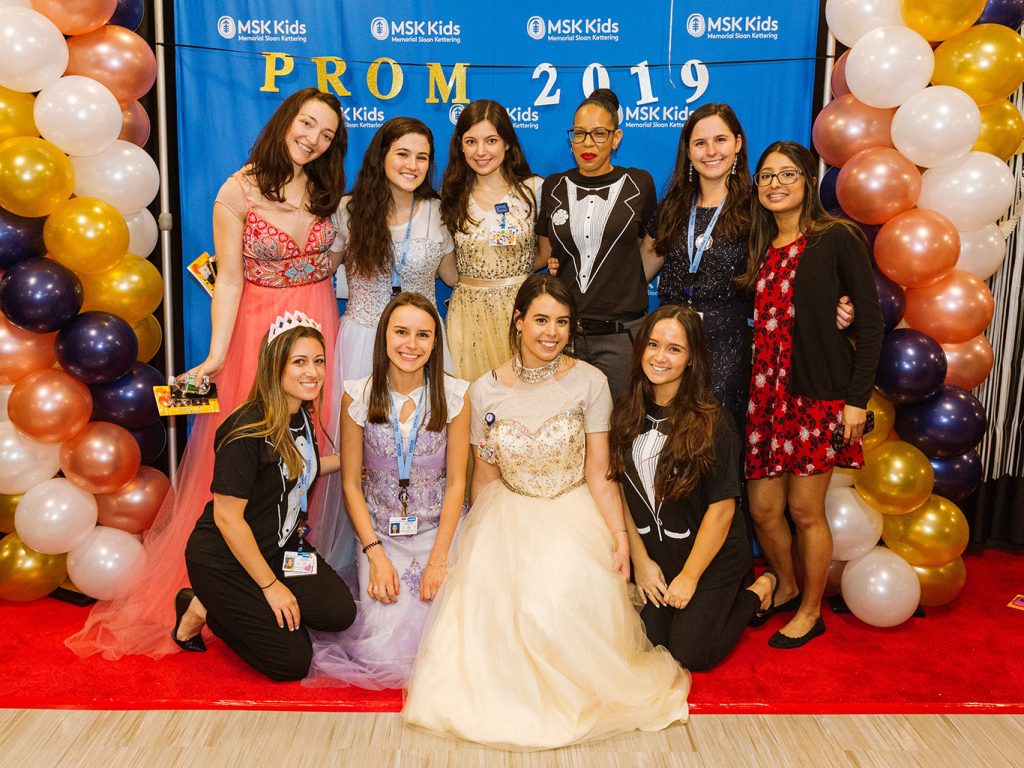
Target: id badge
point(402, 526)
point(503, 236)
point(299, 564)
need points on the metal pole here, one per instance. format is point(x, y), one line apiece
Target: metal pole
point(826, 95)
point(166, 223)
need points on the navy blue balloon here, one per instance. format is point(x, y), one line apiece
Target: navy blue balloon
point(891, 298)
point(957, 477)
point(20, 238)
point(1009, 13)
point(152, 440)
point(911, 367)
point(128, 401)
point(949, 423)
point(128, 14)
point(827, 189)
point(96, 346)
point(40, 295)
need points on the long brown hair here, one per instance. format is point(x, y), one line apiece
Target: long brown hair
point(459, 178)
point(814, 219)
point(267, 397)
point(532, 287)
point(379, 408)
point(684, 191)
point(370, 205)
point(692, 414)
point(270, 165)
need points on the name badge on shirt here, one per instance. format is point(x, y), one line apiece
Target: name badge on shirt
point(503, 235)
point(402, 526)
point(299, 564)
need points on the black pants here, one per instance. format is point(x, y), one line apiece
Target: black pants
point(611, 353)
point(707, 629)
point(238, 613)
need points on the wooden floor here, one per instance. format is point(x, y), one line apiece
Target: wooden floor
point(68, 739)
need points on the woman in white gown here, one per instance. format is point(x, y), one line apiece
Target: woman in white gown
point(533, 642)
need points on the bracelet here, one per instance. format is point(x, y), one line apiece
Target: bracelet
point(371, 545)
point(269, 585)
point(435, 565)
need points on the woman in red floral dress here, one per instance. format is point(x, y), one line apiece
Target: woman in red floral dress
point(808, 379)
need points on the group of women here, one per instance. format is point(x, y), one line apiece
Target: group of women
point(508, 618)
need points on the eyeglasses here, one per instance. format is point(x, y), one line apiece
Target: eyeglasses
point(599, 135)
point(764, 179)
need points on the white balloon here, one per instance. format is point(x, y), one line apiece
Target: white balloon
point(971, 191)
point(856, 527)
point(107, 563)
point(881, 588)
point(23, 461)
point(123, 175)
point(78, 115)
point(33, 53)
point(12, 3)
point(55, 516)
point(982, 251)
point(5, 394)
point(850, 20)
point(936, 125)
point(142, 232)
point(888, 65)
point(840, 480)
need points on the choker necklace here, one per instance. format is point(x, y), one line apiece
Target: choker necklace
point(534, 375)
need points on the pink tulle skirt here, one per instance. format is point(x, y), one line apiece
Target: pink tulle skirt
point(140, 620)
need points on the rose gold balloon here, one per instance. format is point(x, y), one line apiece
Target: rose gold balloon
point(134, 123)
point(134, 507)
point(838, 81)
point(876, 184)
point(968, 363)
point(917, 247)
point(76, 17)
point(942, 583)
point(102, 458)
point(954, 309)
point(50, 406)
point(846, 127)
point(22, 352)
point(117, 58)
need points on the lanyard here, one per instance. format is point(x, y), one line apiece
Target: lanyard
point(304, 482)
point(396, 280)
point(704, 239)
point(402, 455)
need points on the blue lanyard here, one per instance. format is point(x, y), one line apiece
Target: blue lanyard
point(403, 456)
point(695, 258)
point(396, 280)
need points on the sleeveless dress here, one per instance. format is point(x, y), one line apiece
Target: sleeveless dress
point(281, 274)
point(480, 309)
point(533, 642)
point(378, 650)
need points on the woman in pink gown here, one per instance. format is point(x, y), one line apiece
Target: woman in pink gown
point(273, 237)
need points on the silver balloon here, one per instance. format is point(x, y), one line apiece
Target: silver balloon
point(107, 563)
point(55, 516)
point(855, 526)
point(881, 588)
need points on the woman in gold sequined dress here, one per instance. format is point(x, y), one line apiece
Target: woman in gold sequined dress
point(489, 203)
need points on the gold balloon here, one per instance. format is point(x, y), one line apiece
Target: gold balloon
point(934, 534)
point(896, 478)
point(35, 176)
point(7, 506)
point(131, 289)
point(16, 114)
point(26, 574)
point(150, 336)
point(86, 235)
point(940, 19)
point(1002, 130)
point(941, 584)
point(986, 61)
point(885, 418)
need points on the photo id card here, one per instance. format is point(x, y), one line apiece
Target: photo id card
point(402, 526)
point(503, 236)
point(299, 564)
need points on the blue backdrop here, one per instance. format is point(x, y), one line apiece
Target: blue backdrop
point(237, 59)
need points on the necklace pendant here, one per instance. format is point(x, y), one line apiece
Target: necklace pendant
point(535, 375)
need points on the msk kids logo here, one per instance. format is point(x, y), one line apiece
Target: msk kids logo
point(363, 117)
point(455, 111)
point(733, 27)
point(416, 30)
point(573, 30)
point(524, 117)
point(261, 30)
point(655, 116)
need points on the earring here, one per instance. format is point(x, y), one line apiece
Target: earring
point(689, 172)
point(734, 161)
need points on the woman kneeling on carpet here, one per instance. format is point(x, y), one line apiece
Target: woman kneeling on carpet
point(258, 583)
point(676, 452)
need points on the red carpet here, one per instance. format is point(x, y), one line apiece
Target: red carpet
point(965, 657)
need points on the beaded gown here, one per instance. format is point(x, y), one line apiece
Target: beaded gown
point(533, 642)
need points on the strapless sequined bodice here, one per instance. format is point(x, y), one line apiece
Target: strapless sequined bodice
point(545, 462)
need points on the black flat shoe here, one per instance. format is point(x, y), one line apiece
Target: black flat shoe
point(181, 603)
point(790, 605)
point(779, 640)
point(763, 614)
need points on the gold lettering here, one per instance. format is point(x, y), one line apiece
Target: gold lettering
point(457, 81)
point(276, 65)
point(332, 79)
point(372, 75)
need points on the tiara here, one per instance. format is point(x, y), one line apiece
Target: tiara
point(290, 320)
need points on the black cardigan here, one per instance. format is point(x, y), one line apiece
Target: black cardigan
point(825, 364)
